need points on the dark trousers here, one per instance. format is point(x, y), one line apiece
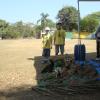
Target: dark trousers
point(46, 53)
point(57, 47)
point(98, 49)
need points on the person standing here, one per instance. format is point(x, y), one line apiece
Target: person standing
point(97, 34)
point(47, 43)
point(59, 39)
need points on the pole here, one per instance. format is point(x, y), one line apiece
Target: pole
point(79, 40)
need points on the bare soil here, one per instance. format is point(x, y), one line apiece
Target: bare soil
point(18, 73)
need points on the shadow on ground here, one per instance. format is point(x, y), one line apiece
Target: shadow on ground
point(22, 93)
point(25, 92)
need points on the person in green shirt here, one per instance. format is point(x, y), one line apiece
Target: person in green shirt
point(59, 39)
point(47, 43)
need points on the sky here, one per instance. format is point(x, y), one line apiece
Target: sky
point(30, 10)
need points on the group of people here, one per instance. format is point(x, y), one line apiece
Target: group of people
point(58, 39)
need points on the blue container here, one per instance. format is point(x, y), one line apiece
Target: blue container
point(98, 79)
point(98, 70)
point(81, 63)
point(94, 63)
point(79, 52)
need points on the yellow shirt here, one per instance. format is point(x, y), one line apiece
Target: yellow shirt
point(59, 37)
point(47, 41)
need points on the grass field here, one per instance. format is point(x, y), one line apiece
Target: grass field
point(17, 72)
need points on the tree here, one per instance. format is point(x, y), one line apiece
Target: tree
point(19, 26)
point(43, 20)
point(28, 30)
point(89, 23)
point(95, 15)
point(68, 16)
point(11, 32)
point(38, 29)
point(50, 23)
point(3, 26)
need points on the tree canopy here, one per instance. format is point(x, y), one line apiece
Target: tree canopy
point(90, 22)
point(45, 21)
point(68, 16)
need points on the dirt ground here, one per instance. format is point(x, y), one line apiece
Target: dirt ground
point(17, 71)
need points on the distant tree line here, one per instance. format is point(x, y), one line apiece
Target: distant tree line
point(68, 15)
point(24, 30)
point(16, 30)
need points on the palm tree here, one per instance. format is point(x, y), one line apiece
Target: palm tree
point(43, 20)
